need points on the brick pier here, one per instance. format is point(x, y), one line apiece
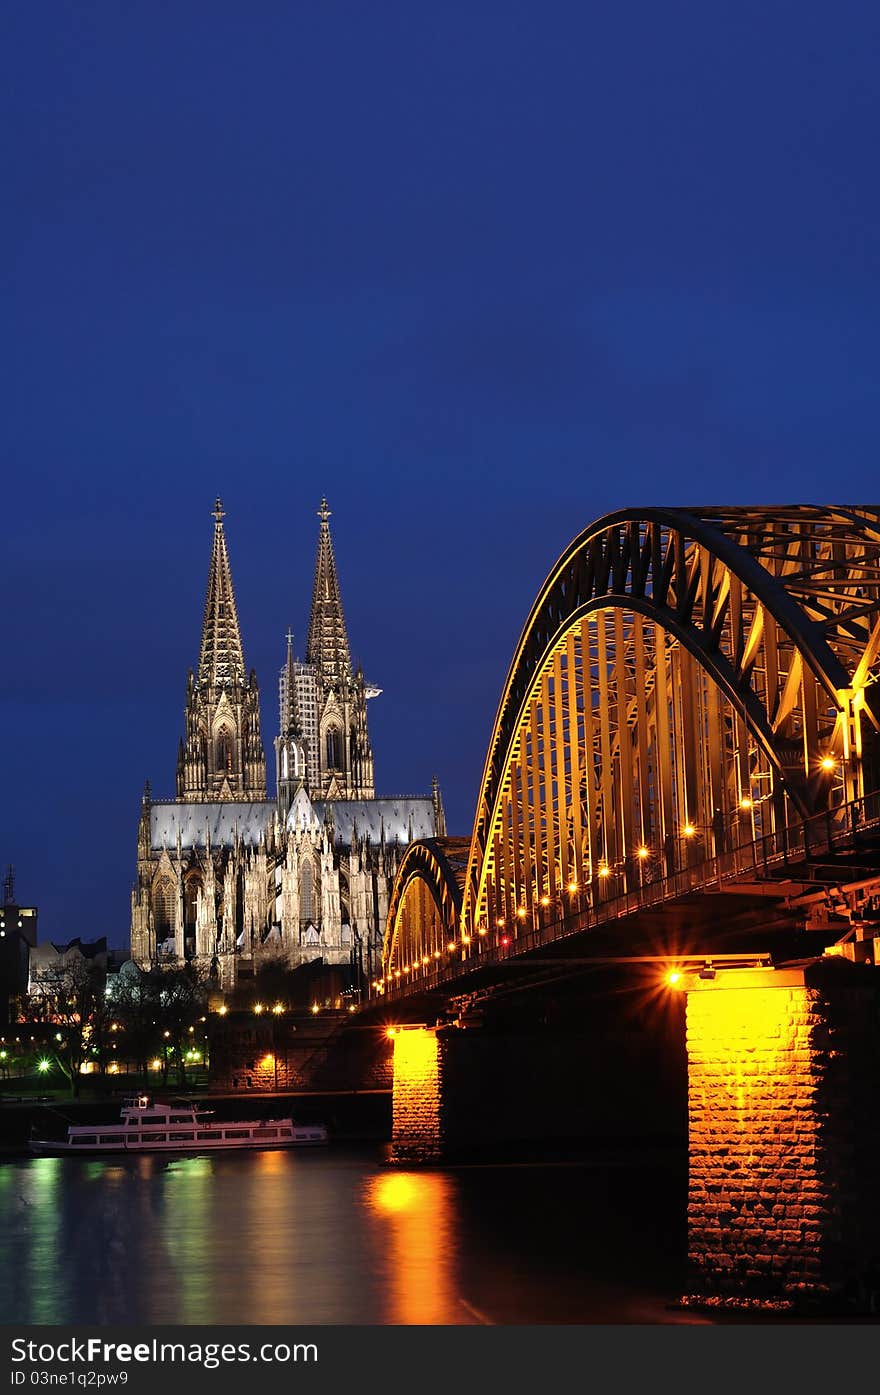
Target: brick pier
point(784, 1128)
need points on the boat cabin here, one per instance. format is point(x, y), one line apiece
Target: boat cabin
point(140, 1109)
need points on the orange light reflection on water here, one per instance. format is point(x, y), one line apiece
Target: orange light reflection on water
point(414, 1212)
point(270, 1161)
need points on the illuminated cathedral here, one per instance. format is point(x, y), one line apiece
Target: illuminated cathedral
point(227, 876)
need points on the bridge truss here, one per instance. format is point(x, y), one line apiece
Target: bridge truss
point(688, 683)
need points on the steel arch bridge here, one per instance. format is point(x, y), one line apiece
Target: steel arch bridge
point(688, 682)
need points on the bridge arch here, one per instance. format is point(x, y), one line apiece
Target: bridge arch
point(686, 680)
point(425, 906)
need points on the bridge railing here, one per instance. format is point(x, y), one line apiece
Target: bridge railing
point(768, 858)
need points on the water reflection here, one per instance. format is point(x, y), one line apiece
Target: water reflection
point(34, 1220)
point(330, 1236)
point(416, 1227)
point(187, 1216)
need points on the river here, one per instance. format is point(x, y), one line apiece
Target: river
point(337, 1236)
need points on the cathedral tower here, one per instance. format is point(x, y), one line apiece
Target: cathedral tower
point(290, 745)
point(343, 759)
point(221, 755)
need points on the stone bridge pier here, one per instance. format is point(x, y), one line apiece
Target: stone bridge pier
point(784, 1132)
point(766, 1082)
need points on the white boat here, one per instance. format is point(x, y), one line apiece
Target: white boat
point(178, 1127)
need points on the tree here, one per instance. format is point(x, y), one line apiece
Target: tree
point(180, 998)
point(156, 1011)
point(71, 995)
point(135, 1007)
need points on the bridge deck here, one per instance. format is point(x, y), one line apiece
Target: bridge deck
point(762, 891)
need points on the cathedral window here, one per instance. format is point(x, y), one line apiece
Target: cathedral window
point(163, 909)
point(334, 757)
point(224, 750)
point(307, 891)
point(193, 886)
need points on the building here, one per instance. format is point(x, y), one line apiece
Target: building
point(18, 937)
point(58, 969)
point(227, 875)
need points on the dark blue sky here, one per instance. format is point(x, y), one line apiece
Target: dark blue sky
point(480, 272)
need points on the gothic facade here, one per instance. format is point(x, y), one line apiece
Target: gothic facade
point(228, 876)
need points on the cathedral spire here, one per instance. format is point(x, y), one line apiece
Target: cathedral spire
point(221, 660)
point(222, 753)
point(290, 724)
point(439, 812)
point(290, 751)
point(327, 647)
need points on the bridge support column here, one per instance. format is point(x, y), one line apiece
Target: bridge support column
point(784, 1133)
point(416, 1123)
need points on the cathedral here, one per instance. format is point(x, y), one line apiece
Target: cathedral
point(227, 876)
